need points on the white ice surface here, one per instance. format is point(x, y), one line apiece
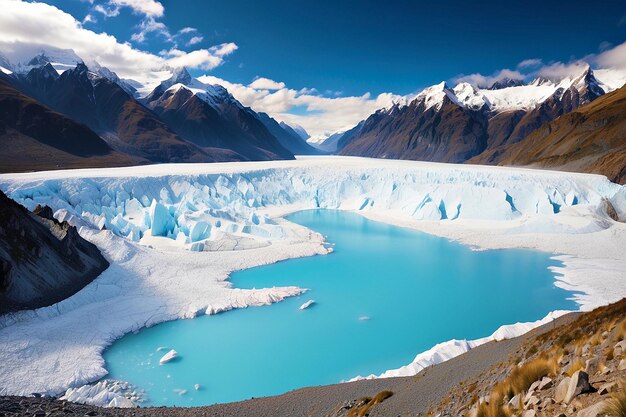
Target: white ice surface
point(175, 232)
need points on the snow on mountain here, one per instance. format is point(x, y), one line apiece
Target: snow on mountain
point(298, 129)
point(516, 97)
point(434, 96)
point(610, 79)
point(212, 94)
point(26, 57)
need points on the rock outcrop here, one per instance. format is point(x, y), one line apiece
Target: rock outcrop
point(42, 260)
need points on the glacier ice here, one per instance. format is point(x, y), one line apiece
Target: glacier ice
point(228, 216)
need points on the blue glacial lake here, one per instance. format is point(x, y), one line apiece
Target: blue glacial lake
point(384, 295)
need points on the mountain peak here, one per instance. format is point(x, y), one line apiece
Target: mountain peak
point(180, 75)
point(505, 83)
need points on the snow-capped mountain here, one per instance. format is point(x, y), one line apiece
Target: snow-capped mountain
point(24, 57)
point(300, 131)
point(287, 137)
point(455, 124)
point(210, 117)
point(336, 141)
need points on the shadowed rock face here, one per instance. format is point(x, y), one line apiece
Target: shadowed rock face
point(222, 124)
point(34, 137)
point(590, 139)
point(452, 132)
point(42, 261)
point(287, 137)
point(448, 134)
point(110, 111)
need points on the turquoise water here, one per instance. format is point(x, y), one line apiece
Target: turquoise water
point(384, 295)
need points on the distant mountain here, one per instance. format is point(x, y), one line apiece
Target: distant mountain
point(338, 140)
point(42, 261)
point(211, 118)
point(287, 137)
point(589, 139)
point(456, 124)
point(33, 137)
point(300, 131)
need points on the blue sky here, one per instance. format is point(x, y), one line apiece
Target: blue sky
point(356, 46)
point(325, 65)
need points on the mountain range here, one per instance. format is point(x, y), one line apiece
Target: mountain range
point(59, 112)
point(90, 117)
point(469, 124)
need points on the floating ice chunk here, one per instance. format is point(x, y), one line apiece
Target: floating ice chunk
point(180, 391)
point(161, 348)
point(307, 304)
point(364, 318)
point(172, 354)
point(197, 387)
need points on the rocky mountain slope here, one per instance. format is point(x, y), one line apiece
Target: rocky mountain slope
point(197, 123)
point(287, 137)
point(589, 139)
point(209, 117)
point(42, 261)
point(456, 124)
point(35, 137)
point(110, 111)
point(574, 370)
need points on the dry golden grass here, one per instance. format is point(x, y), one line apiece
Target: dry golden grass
point(617, 403)
point(366, 404)
point(576, 365)
point(523, 376)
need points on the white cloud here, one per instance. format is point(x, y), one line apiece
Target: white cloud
point(89, 19)
point(532, 62)
point(558, 70)
point(322, 115)
point(195, 40)
point(205, 59)
point(107, 11)
point(484, 81)
point(262, 83)
point(613, 58)
point(149, 25)
point(24, 23)
point(150, 8)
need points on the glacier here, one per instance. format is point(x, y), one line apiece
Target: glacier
point(173, 234)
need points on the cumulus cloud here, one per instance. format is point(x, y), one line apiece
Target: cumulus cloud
point(558, 70)
point(24, 23)
point(322, 115)
point(262, 83)
point(150, 25)
point(149, 8)
point(484, 81)
point(205, 59)
point(613, 58)
point(194, 40)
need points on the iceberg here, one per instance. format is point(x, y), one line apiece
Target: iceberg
point(168, 357)
point(307, 304)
